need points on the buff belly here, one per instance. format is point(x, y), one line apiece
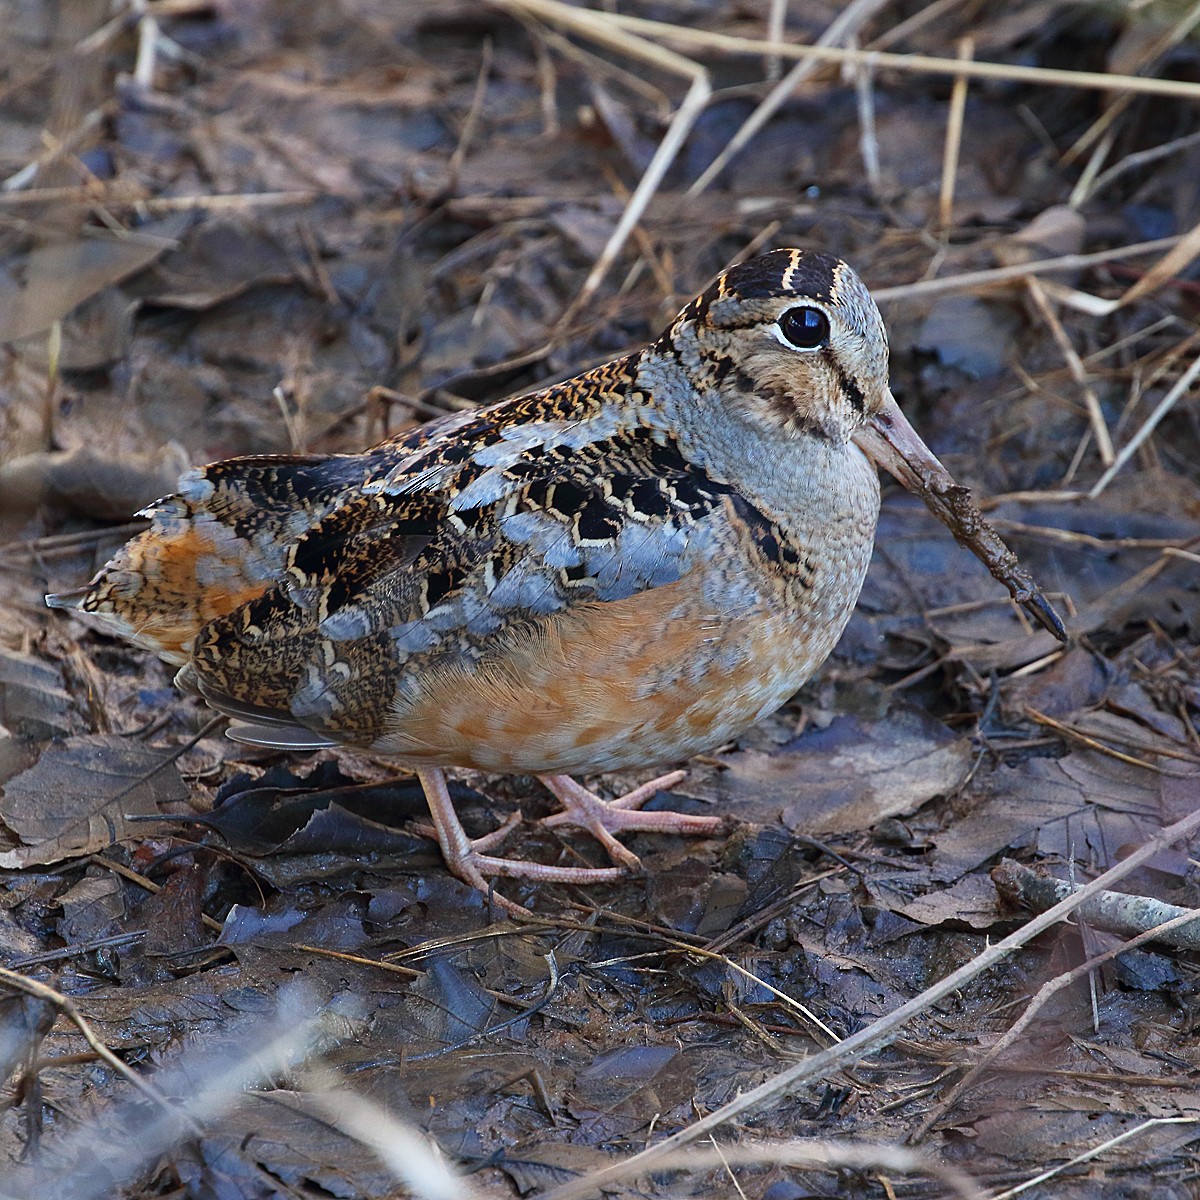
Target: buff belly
point(637, 683)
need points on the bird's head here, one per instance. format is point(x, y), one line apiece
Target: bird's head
point(795, 339)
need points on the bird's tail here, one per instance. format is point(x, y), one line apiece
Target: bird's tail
point(215, 545)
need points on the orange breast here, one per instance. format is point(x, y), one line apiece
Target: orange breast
point(651, 679)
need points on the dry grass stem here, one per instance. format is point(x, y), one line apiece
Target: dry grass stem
point(361, 960)
point(996, 276)
point(921, 64)
point(954, 130)
point(1092, 743)
point(927, 15)
point(227, 203)
point(987, 503)
point(1163, 407)
point(148, 45)
point(1037, 294)
point(1152, 50)
point(1140, 159)
point(868, 142)
point(776, 18)
point(1087, 176)
point(844, 27)
point(1152, 747)
point(1177, 259)
point(602, 29)
point(407, 1153)
point(57, 147)
point(596, 66)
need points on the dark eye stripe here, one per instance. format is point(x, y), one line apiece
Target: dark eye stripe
point(853, 392)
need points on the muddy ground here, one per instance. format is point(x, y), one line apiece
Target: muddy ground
point(231, 228)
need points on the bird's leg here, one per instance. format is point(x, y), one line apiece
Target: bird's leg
point(603, 818)
point(466, 858)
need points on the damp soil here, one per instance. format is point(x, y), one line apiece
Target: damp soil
point(296, 227)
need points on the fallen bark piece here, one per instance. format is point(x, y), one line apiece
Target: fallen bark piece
point(1114, 912)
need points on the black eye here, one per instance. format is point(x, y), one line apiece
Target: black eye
point(805, 328)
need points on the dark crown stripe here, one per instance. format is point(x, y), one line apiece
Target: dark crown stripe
point(803, 272)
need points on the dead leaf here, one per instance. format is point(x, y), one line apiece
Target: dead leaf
point(90, 481)
point(59, 277)
point(1084, 806)
point(1053, 232)
point(33, 700)
point(854, 773)
point(76, 798)
point(972, 900)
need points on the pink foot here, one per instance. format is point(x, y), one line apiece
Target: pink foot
point(603, 818)
point(467, 859)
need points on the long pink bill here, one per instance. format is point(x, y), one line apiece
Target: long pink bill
point(889, 441)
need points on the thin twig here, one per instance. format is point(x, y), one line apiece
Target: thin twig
point(468, 128)
point(359, 960)
point(1035, 1005)
point(1141, 158)
point(809, 1152)
point(1141, 918)
point(1089, 1155)
point(66, 1006)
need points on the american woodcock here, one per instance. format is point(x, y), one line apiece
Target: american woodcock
point(615, 572)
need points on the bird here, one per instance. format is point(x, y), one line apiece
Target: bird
point(612, 573)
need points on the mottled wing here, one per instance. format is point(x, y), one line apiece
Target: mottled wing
point(222, 539)
point(536, 507)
